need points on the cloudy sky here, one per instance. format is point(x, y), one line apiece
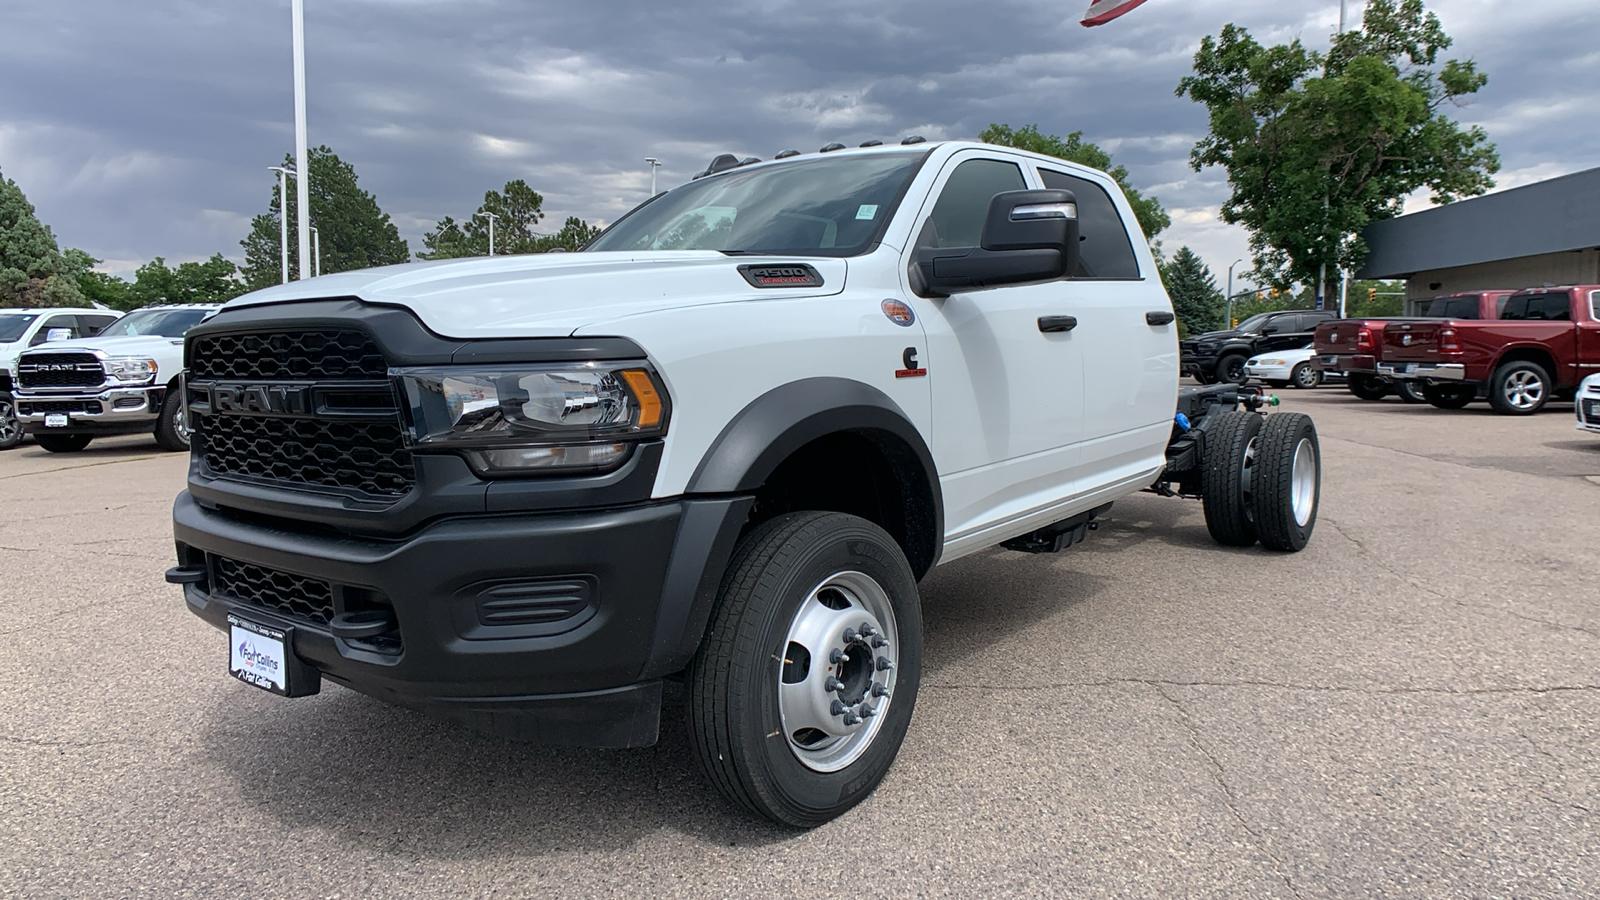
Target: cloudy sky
point(145, 129)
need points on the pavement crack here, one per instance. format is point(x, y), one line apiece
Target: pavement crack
point(1248, 683)
point(103, 462)
point(39, 742)
point(1219, 774)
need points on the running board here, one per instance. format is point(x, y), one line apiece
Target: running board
point(1059, 536)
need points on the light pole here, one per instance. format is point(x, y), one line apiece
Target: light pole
point(491, 217)
point(654, 165)
point(283, 217)
point(316, 252)
point(302, 166)
point(1229, 322)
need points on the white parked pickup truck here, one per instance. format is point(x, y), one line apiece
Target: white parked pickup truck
point(124, 380)
point(24, 328)
point(722, 444)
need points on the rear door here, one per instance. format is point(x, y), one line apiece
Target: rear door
point(1126, 336)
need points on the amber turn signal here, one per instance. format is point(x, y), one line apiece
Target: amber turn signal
point(644, 390)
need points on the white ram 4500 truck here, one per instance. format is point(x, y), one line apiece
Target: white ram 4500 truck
point(124, 380)
point(722, 444)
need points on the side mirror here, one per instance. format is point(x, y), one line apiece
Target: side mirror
point(1028, 237)
point(58, 334)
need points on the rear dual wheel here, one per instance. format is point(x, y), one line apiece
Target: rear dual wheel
point(1262, 480)
point(802, 692)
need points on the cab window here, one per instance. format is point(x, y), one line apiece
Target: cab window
point(1543, 307)
point(68, 322)
point(1103, 250)
point(957, 218)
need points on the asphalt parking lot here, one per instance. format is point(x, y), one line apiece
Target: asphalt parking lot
point(1408, 708)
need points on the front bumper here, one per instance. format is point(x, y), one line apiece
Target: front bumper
point(1588, 413)
point(550, 627)
point(1268, 373)
point(121, 410)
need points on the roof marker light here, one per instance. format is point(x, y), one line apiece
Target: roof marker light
point(786, 154)
point(872, 143)
point(831, 147)
point(914, 139)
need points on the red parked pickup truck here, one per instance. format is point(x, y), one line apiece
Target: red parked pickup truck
point(1544, 343)
point(1354, 347)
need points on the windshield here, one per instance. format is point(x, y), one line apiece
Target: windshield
point(816, 207)
point(170, 323)
point(1254, 323)
point(13, 325)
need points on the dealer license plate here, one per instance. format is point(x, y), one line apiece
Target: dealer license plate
point(1592, 411)
point(258, 655)
point(55, 420)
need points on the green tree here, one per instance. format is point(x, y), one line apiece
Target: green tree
point(1317, 145)
point(96, 287)
point(353, 231)
point(32, 269)
point(517, 209)
point(1195, 297)
point(214, 281)
point(1152, 218)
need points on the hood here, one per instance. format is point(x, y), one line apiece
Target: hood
point(1219, 335)
point(137, 345)
point(551, 294)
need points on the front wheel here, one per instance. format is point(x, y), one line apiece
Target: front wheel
point(172, 429)
point(1519, 388)
point(63, 443)
point(11, 433)
point(1230, 368)
point(1450, 396)
point(803, 689)
point(1303, 376)
point(1367, 387)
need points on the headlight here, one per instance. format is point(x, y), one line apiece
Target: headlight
point(531, 420)
point(131, 369)
point(1268, 362)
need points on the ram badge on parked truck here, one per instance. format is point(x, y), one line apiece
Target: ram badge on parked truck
point(1545, 342)
point(722, 444)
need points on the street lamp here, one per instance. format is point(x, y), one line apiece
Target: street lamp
point(283, 217)
point(1229, 322)
point(491, 217)
point(302, 189)
point(654, 165)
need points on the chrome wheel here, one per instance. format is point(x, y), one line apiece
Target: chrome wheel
point(1306, 377)
point(837, 674)
point(1523, 389)
point(10, 429)
point(1303, 482)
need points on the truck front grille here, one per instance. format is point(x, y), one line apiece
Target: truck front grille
point(368, 457)
point(57, 370)
point(292, 595)
point(310, 410)
point(288, 355)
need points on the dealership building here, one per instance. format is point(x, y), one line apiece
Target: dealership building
point(1542, 233)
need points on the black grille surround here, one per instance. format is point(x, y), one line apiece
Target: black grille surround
point(60, 370)
point(291, 595)
point(303, 409)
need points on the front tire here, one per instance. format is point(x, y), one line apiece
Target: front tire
point(1367, 387)
point(1230, 369)
point(1304, 377)
point(796, 711)
point(63, 443)
point(11, 433)
point(1450, 396)
point(1519, 389)
point(172, 429)
point(1287, 485)
point(1226, 478)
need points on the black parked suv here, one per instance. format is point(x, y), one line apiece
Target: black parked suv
point(1220, 355)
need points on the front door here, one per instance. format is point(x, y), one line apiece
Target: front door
point(1007, 379)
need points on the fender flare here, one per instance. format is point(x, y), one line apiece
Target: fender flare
point(776, 424)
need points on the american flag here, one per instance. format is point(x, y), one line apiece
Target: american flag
point(1103, 11)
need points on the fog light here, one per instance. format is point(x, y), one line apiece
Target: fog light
point(127, 403)
point(511, 460)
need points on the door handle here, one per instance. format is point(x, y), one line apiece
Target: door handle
point(1160, 317)
point(1052, 324)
